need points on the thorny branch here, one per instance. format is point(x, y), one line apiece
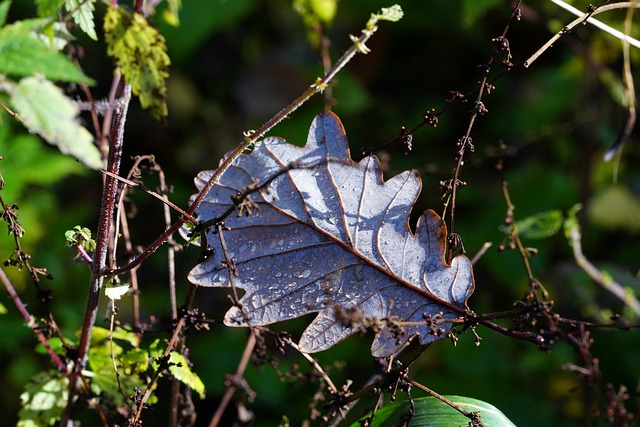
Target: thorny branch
point(102, 246)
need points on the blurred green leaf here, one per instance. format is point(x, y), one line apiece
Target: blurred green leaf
point(55, 343)
point(316, 13)
point(22, 54)
point(572, 220)
point(48, 112)
point(4, 11)
point(3, 309)
point(171, 14)
point(24, 156)
point(431, 412)
point(82, 13)
point(616, 208)
point(538, 226)
point(43, 400)
point(141, 53)
point(48, 7)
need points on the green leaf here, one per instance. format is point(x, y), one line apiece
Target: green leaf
point(3, 309)
point(55, 344)
point(540, 225)
point(616, 208)
point(24, 154)
point(46, 111)
point(82, 13)
point(130, 363)
point(315, 13)
point(179, 368)
point(116, 292)
point(170, 15)
point(141, 53)
point(431, 412)
point(43, 400)
point(22, 54)
point(572, 221)
point(393, 13)
point(135, 361)
point(82, 236)
point(4, 11)
point(48, 7)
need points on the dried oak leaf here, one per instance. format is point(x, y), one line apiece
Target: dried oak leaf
point(327, 235)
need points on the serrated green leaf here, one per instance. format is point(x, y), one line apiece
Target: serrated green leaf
point(129, 363)
point(43, 400)
point(4, 11)
point(23, 54)
point(431, 412)
point(179, 368)
point(116, 292)
point(82, 13)
point(80, 235)
point(141, 53)
point(46, 111)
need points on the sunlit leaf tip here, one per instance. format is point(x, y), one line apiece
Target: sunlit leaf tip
point(393, 13)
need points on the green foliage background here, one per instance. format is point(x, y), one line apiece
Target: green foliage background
point(236, 63)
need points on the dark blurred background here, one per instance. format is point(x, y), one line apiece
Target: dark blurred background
point(236, 63)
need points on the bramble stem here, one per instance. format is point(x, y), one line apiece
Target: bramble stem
point(102, 245)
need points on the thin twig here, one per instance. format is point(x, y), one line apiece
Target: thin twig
point(485, 247)
point(30, 322)
point(478, 109)
point(605, 281)
point(584, 18)
point(313, 363)
point(599, 24)
point(441, 398)
point(155, 195)
point(630, 97)
point(242, 366)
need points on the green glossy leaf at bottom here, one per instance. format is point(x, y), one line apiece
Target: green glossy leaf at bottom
point(431, 412)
